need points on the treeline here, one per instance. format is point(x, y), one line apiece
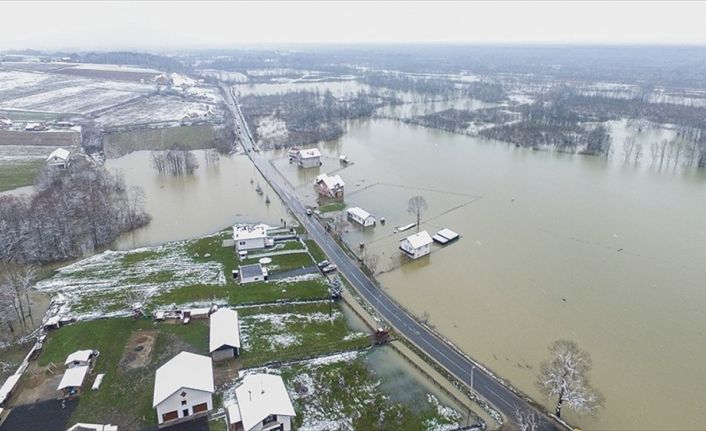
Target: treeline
point(463, 121)
point(584, 139)
point(159, 62)
point(309, 116)
point(439, 87)
point(175, 161)
point(72, 212)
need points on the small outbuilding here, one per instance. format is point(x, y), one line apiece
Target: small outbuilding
point(252, 273)
point(59, 158)
point(417, 245)
point(71, 381)
point(8, 387)
point(93, 427)
point(361, 216)
point(262, 403)
point(183, 388)
point(445, 236)
point(224, 337)
point(309, 158)
point(80, 358)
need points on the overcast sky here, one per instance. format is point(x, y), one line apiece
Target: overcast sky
point(173, 25)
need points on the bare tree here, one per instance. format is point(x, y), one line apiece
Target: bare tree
point(565, 376)
point(637, 153)
point(371, 262)
point(628, 147)
point(211, 156)
point(16, 281)
point(416, 206)
point(527, 420)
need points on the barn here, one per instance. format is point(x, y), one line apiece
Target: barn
point(224, 337)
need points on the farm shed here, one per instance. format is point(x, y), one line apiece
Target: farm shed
point(224, 334)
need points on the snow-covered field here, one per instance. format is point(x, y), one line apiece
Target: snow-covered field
point(106, 282)
point(225, 75)
point(157, 109)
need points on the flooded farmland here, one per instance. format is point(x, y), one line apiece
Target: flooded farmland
point(553, 246)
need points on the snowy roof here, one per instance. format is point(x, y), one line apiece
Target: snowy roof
point(8, 386)
point(332, 181)
point(419, 239)
point(185, 370)
point(359, 212)
point(261, 395)
point(224, 329)
point(448, 234)
point(73, 377)
point(241, 231)
point(78, 356)
point(233, 413)
point(59, 153)
point(93, 427)
point(310, 153)
point(248, 271)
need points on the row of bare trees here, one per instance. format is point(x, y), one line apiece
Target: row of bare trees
point(175, 161)
point(72, 212)
point(15, 305)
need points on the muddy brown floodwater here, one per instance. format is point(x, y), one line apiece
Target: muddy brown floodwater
point(553, 246)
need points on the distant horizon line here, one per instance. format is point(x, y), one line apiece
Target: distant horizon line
point(289, 45)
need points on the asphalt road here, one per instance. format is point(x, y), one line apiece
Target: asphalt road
point(458, 364)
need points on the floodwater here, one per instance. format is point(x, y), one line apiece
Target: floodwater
point(553, 246)
point(185, 207)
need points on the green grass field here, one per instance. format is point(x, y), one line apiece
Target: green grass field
point(19, 173)
point(125, 397)
point(192, 137)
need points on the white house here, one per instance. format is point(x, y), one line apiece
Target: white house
point(80, 358)
point(309, 158)
point(71, 381)
point(251, 237)
point(59, 158)
point(262, 403)
point(183, 387)
point(93, 427)
point(361, 216)
point(252, 273)
point(330, 186)
point(417, 245)
point(224, 338)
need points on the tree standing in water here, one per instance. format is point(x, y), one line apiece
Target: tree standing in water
point(416, 206)
point(565, 376)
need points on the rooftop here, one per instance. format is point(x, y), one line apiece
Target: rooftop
point(185, 370)
point(59, 153)
point(224, 329)
point(249, 231)
point(359, 212)
point(253, 270)
point(331, 181)
point(79, 356)
point(310, 153)
point(73, 377)
point(261, 395)
point(419, 239)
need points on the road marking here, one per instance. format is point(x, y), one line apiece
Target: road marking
point(500, 397)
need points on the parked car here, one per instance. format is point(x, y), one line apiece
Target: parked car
point(309, 211)
point(328, 268)
point(323, 264)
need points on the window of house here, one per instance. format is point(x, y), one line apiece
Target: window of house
point(183, 402)
point(269, 419)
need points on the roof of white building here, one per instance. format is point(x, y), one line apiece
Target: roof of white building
point(332, 181)
point(249, 231)
point(224, 329)
point(79, 356)
point(419, 239)
point(448, 234)
point(309, 153)
point(8, 386)
point(261, 395)
point(185, 370)
point(93, 427)
point(59, 153)
point(73, 377)
point(359, 212)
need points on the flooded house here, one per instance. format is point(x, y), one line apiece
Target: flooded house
point(330, 186)
point(183, 388)
point(261, 403)
point(224, 334)
point(417, 245)
point(360, 216)
point(310, 158)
